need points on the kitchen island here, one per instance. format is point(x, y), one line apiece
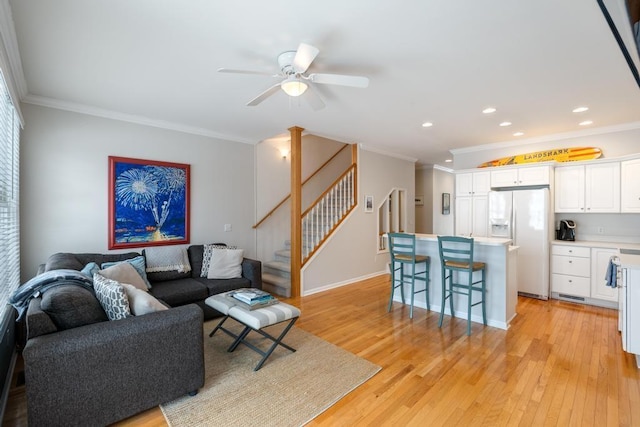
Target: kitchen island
point(502, 289)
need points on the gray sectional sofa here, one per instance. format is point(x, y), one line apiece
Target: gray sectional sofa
point(103, 371)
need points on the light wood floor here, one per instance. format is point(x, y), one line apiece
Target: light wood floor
point(560, 364)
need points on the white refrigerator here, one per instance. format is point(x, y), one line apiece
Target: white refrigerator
point(524, 216)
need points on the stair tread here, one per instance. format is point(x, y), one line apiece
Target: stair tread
point(276, 280)
point(279, 265)
point(285, 253)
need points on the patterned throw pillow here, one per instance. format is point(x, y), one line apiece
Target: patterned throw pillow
point(206, 256)
point(112, 297)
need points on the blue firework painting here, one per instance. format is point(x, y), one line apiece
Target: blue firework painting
point(148, 203)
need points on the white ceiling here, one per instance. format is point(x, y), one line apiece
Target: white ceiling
point(442, 61)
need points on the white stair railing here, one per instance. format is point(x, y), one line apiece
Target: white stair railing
point(328, 211)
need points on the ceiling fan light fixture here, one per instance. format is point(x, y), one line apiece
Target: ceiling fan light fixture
point(294, 86)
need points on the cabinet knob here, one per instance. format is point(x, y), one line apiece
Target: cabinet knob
point(570, 281)
point(570, 251)
point(570, 262)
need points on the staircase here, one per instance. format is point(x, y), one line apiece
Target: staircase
point(276, 274)
point(317, 224)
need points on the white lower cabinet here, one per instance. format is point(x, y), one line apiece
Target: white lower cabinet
point(599, 263)
point(570, 270)
point(580, 271)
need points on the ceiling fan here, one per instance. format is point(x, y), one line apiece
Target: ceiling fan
point(295, 82)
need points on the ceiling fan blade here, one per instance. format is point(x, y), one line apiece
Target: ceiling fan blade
point(339, 79)
point(314, 100)
point(264, 95)
point(230, 70)
point(304, 57)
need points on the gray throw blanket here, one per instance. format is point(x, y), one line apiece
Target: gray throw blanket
point(35, 286)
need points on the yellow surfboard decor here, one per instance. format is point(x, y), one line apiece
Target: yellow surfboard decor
point(557, 154)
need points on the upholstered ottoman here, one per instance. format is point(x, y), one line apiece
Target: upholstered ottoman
point(253, 320)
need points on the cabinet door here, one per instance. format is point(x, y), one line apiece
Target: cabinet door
point(602, 188)
point(569, 189)
point(462, 214)
point(538, 175)
point(630, 186)
point(464, 184)
point(599, 263)
point(504, 178)
point(480, 216)
point(481, 183)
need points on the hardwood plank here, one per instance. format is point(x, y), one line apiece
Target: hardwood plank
point(558, 364)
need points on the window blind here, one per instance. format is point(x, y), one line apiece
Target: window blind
point(9, 197)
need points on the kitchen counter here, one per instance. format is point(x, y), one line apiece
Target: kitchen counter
point(597, 244)
point(502, 291)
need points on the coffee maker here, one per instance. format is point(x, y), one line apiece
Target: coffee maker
point(567, 230)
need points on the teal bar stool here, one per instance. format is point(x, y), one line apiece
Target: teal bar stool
point(402, 249)
point(456, 255)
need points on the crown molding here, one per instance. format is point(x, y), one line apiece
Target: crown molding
point(387, 153)
point(548, 138)
point(442, 168)
point(131, 118)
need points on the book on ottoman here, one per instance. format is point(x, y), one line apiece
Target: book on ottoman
point(252, 299)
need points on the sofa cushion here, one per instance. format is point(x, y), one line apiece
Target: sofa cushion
point(216, 286)
point(225, 264)
point(70, 306)
point(180, 291)
point(123, 272)
point(112, 297)
point(141, 302)
point(167, 263)
point(73, 261)
point(138, 263)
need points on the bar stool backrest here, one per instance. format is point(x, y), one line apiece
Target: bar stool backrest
point(402, 247)
point(456, 252)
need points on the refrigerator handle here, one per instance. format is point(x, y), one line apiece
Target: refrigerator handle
point(514, 229)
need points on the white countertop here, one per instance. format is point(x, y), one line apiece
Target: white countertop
point(630, 261)
point(489, 241)
point(596, 244)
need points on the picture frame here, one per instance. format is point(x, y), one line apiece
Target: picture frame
point(368, 204)
point(149, 203)
point(446, 203)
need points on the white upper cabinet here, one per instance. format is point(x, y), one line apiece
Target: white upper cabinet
point(514, 177)
point(630, 186)
point(473, 184)
point(591, 188)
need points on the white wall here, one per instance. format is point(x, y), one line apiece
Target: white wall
point(273, 183)
point(612, 141)
point(443, 182)
point(352, 253)
point(64, 159)
point(424, 188)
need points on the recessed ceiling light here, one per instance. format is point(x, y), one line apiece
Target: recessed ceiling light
point(503, 124)
point(518, 134)
point(448, 161)
point(580, 109)
point(586, 123)
point(489, 110)
point(427, 124)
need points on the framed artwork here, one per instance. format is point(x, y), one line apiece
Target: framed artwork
point(148, 203)
point(368, 204)
point(446, 203)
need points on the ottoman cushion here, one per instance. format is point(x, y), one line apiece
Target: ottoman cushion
point(258, 319)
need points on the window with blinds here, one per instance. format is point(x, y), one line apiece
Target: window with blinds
point(9, 197)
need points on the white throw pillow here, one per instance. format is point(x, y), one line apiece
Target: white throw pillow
point(141, 302)
point(225, 264)
point(124, 273)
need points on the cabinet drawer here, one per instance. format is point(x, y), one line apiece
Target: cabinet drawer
point(571, 285)
point(571, 265)
point(579, 251)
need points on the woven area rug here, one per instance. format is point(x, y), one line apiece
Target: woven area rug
point(289, 390)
